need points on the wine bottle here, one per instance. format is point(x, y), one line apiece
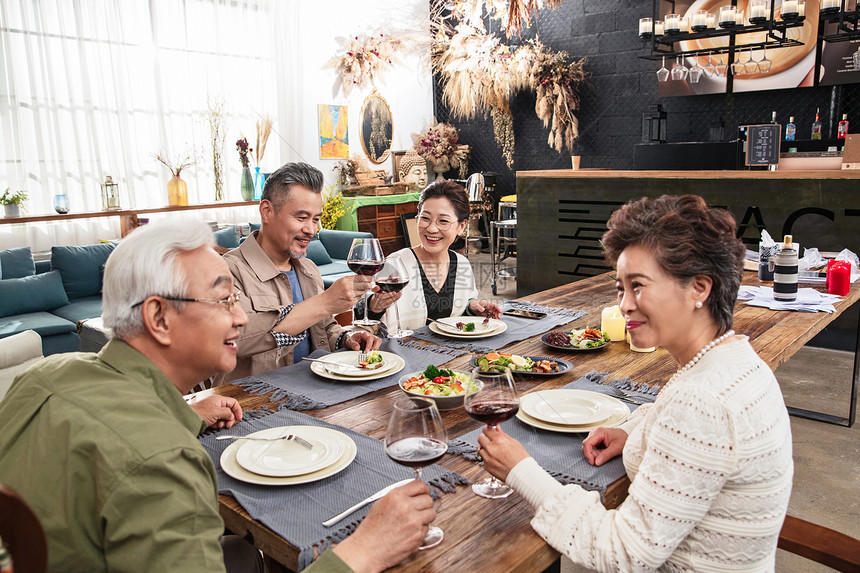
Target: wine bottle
point(842, 128)
point(816, 125)
point(790, 129)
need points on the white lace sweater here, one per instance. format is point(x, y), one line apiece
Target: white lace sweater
point(710, 465)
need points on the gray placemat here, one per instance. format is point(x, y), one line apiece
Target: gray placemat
point(518, 328)
point(296, 512)
point(561, 454)
point(298, 388)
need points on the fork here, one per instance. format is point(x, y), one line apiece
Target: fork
point(362, 356)
point(297, 439)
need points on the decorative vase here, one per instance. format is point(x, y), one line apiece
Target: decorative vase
point(61, 203)
point(439, 169)
point(12, 210)
point(259, 182)
point(247, 185)
point(177, 192)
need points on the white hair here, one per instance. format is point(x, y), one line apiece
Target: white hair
point(143, 265)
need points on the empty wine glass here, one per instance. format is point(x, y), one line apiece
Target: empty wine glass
point(750, 66)
point(365, 258)
point(679, 72)
point(663, 73)
point(709, 69)
point(392, 278)
point(721, 67)
point(737, 65)
point(764, 64)
point(492, 398)
point(695, 71)
point(416, 437)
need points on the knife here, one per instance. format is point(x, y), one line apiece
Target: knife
point(371, 499)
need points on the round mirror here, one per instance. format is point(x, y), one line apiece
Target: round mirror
point(376, 128)
point(475, 187)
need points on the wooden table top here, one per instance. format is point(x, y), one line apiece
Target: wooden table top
point(495, 535)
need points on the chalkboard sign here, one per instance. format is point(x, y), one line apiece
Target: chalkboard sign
point(763, 144)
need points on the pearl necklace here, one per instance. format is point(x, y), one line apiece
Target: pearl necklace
point(698, 356)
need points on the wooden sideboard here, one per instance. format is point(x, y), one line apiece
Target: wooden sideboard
point(383, 221)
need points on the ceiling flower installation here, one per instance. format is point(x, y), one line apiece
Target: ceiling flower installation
point(362, 59)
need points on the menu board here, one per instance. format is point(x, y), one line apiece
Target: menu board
point(763, 144)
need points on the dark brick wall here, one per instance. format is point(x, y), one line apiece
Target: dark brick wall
point(620, 89)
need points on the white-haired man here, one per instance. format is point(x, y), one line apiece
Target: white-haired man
point(104, 448)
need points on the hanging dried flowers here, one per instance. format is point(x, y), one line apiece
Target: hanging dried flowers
point(555, 83)
point(514, 15)
point(439, 145)
point(362, 59)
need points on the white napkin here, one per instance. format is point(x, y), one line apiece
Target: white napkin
point(808, 300)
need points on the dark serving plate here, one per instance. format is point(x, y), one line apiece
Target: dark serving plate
point(563, 365)
point(571, 347)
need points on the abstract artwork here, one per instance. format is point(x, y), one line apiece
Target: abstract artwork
point(334, 131)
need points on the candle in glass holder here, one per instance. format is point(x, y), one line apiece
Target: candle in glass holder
point(758, 11)
point(727, 16)
point(789, 9)
point(672, 23)
point(646, 25)
point(685, 25)
point(830, 6)
point(700, 20)
point(711, 21)
point(612, 323)
point(739, 18)
point(658, 28)
point(801, 8)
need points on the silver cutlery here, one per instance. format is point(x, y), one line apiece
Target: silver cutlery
point(359, 505)
point(297, 439)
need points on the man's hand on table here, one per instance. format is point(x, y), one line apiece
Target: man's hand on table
point(603, 444)
point(500, 452)
point(391, 532)
point(218, 411)
point(361, 340)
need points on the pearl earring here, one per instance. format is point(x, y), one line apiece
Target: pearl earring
point(698, 304)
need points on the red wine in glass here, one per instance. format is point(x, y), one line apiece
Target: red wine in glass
point(416, 452)
point(393, 277)
point(492, 412)
point(366, 268)
point(391, 284)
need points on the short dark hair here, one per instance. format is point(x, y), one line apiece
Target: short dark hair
point(279, 183)
point(450, 190)
point(688, 238)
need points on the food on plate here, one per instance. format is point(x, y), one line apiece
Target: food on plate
point(374, 361)
point(515, 362)
point(465, 326)
point(583, 338)
point(438, 382)
point(558, 338)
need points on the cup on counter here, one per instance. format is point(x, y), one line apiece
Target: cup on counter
point(635, 348)
point(612, 323)
point(764, 255)
point(574, 161)
point(838, 279)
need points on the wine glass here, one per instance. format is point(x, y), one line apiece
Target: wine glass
point(365, 258)
point(721, 67)
point(392, 278)
point(663, 72)
point(738, 66)
point(492, 398)
point(416, 437)
point(696, 71)
point(764, 64)
point(750, 66)
point(679, 72)
point(710, 70)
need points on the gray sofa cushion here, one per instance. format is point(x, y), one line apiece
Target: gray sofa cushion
point(318, 254)
point(227, 237)
point(80, 309)
point(45, 323)
point(80, 268)
point(16, 263)
point(32, 294)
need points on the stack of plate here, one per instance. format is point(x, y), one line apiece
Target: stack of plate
point(571, 411)
point(345, 366)
point(285, 462)
point(448, 327)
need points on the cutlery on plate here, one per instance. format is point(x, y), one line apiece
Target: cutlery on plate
point(359, 505)
point(297, 439)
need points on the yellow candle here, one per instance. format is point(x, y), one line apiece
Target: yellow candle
point(612, 323)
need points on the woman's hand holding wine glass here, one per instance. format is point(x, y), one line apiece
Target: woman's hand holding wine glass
point(391, 280)
point(365, 258)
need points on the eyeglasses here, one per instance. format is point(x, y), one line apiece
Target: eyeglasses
point(441, 224)
point(231, 301)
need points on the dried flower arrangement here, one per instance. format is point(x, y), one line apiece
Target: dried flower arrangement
point(176, 163)
point(264, 129)
point(514, 15)
point(362, 59)
point(244, 149)
point(215, 117)
point(438, 144)
point(346, 169)
point(555, 82)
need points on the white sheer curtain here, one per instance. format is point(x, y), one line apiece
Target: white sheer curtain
point(95, 87)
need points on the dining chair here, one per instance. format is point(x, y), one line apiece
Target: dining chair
point(820, 544)
point(22, 533)
point(409, 224)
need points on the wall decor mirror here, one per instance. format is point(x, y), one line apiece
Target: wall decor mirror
point(376, 128)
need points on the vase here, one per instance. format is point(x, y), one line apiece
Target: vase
point(259, 183)
point(12, 210)
point(177, 192)
point(61, 203)
point(439, 169)
point(247, 185)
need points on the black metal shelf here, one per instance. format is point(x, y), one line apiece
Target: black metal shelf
point(847, 25)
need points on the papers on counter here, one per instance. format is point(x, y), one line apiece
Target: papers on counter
point(808, 300)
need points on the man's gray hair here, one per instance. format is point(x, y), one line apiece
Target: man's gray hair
point(279, 183)
point(144, 264)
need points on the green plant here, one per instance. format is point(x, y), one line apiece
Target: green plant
point(333, 208)
point(13, 197)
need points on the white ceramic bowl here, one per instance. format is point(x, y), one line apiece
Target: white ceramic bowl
point(442, 402)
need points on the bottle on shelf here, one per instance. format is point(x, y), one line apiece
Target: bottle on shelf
point(842, 128)
point(773, 119)
point(816, 125)
point(790, 129)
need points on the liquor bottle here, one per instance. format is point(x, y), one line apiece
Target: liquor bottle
point(773, 119)
point(816, 126)
point(790, 129)
point(842, 128)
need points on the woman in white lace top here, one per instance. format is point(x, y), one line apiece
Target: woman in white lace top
point(710, 460)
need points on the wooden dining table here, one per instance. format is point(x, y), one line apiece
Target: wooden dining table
point(494, 535)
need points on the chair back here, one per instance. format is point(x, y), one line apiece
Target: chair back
point(820, 544)
point(22, 533)
point(409, 222)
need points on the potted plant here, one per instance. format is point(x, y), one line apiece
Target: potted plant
point(177, 190)
point(12, 201)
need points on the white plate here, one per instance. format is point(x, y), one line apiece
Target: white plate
point(568, 407)
point(613, 420)
point(394, 364)
point(285, 458)
point(347, 364)
point(449, 325)
point(232, 468)
point(498, 328)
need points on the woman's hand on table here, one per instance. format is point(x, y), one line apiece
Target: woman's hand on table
point(382, 300)
point(218, 411)
point(603, 444)
point(485, 308)
point(500, 452)
point(392, 531)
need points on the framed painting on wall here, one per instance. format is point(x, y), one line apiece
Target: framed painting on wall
point(334, 131)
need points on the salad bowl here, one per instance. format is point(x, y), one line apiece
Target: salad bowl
point(445, 387)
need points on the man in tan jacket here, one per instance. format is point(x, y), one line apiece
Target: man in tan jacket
point(290, 313)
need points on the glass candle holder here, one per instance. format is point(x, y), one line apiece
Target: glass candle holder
point(658, 28)
point(685, 26)
point(830, 6)
point(711, 21)
point(700, 20)
point(739, 18)
point(646, 27)
point(758, 11)
point(672, 23)
point(789, 10)
point(801, 9)
point(728, 15)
